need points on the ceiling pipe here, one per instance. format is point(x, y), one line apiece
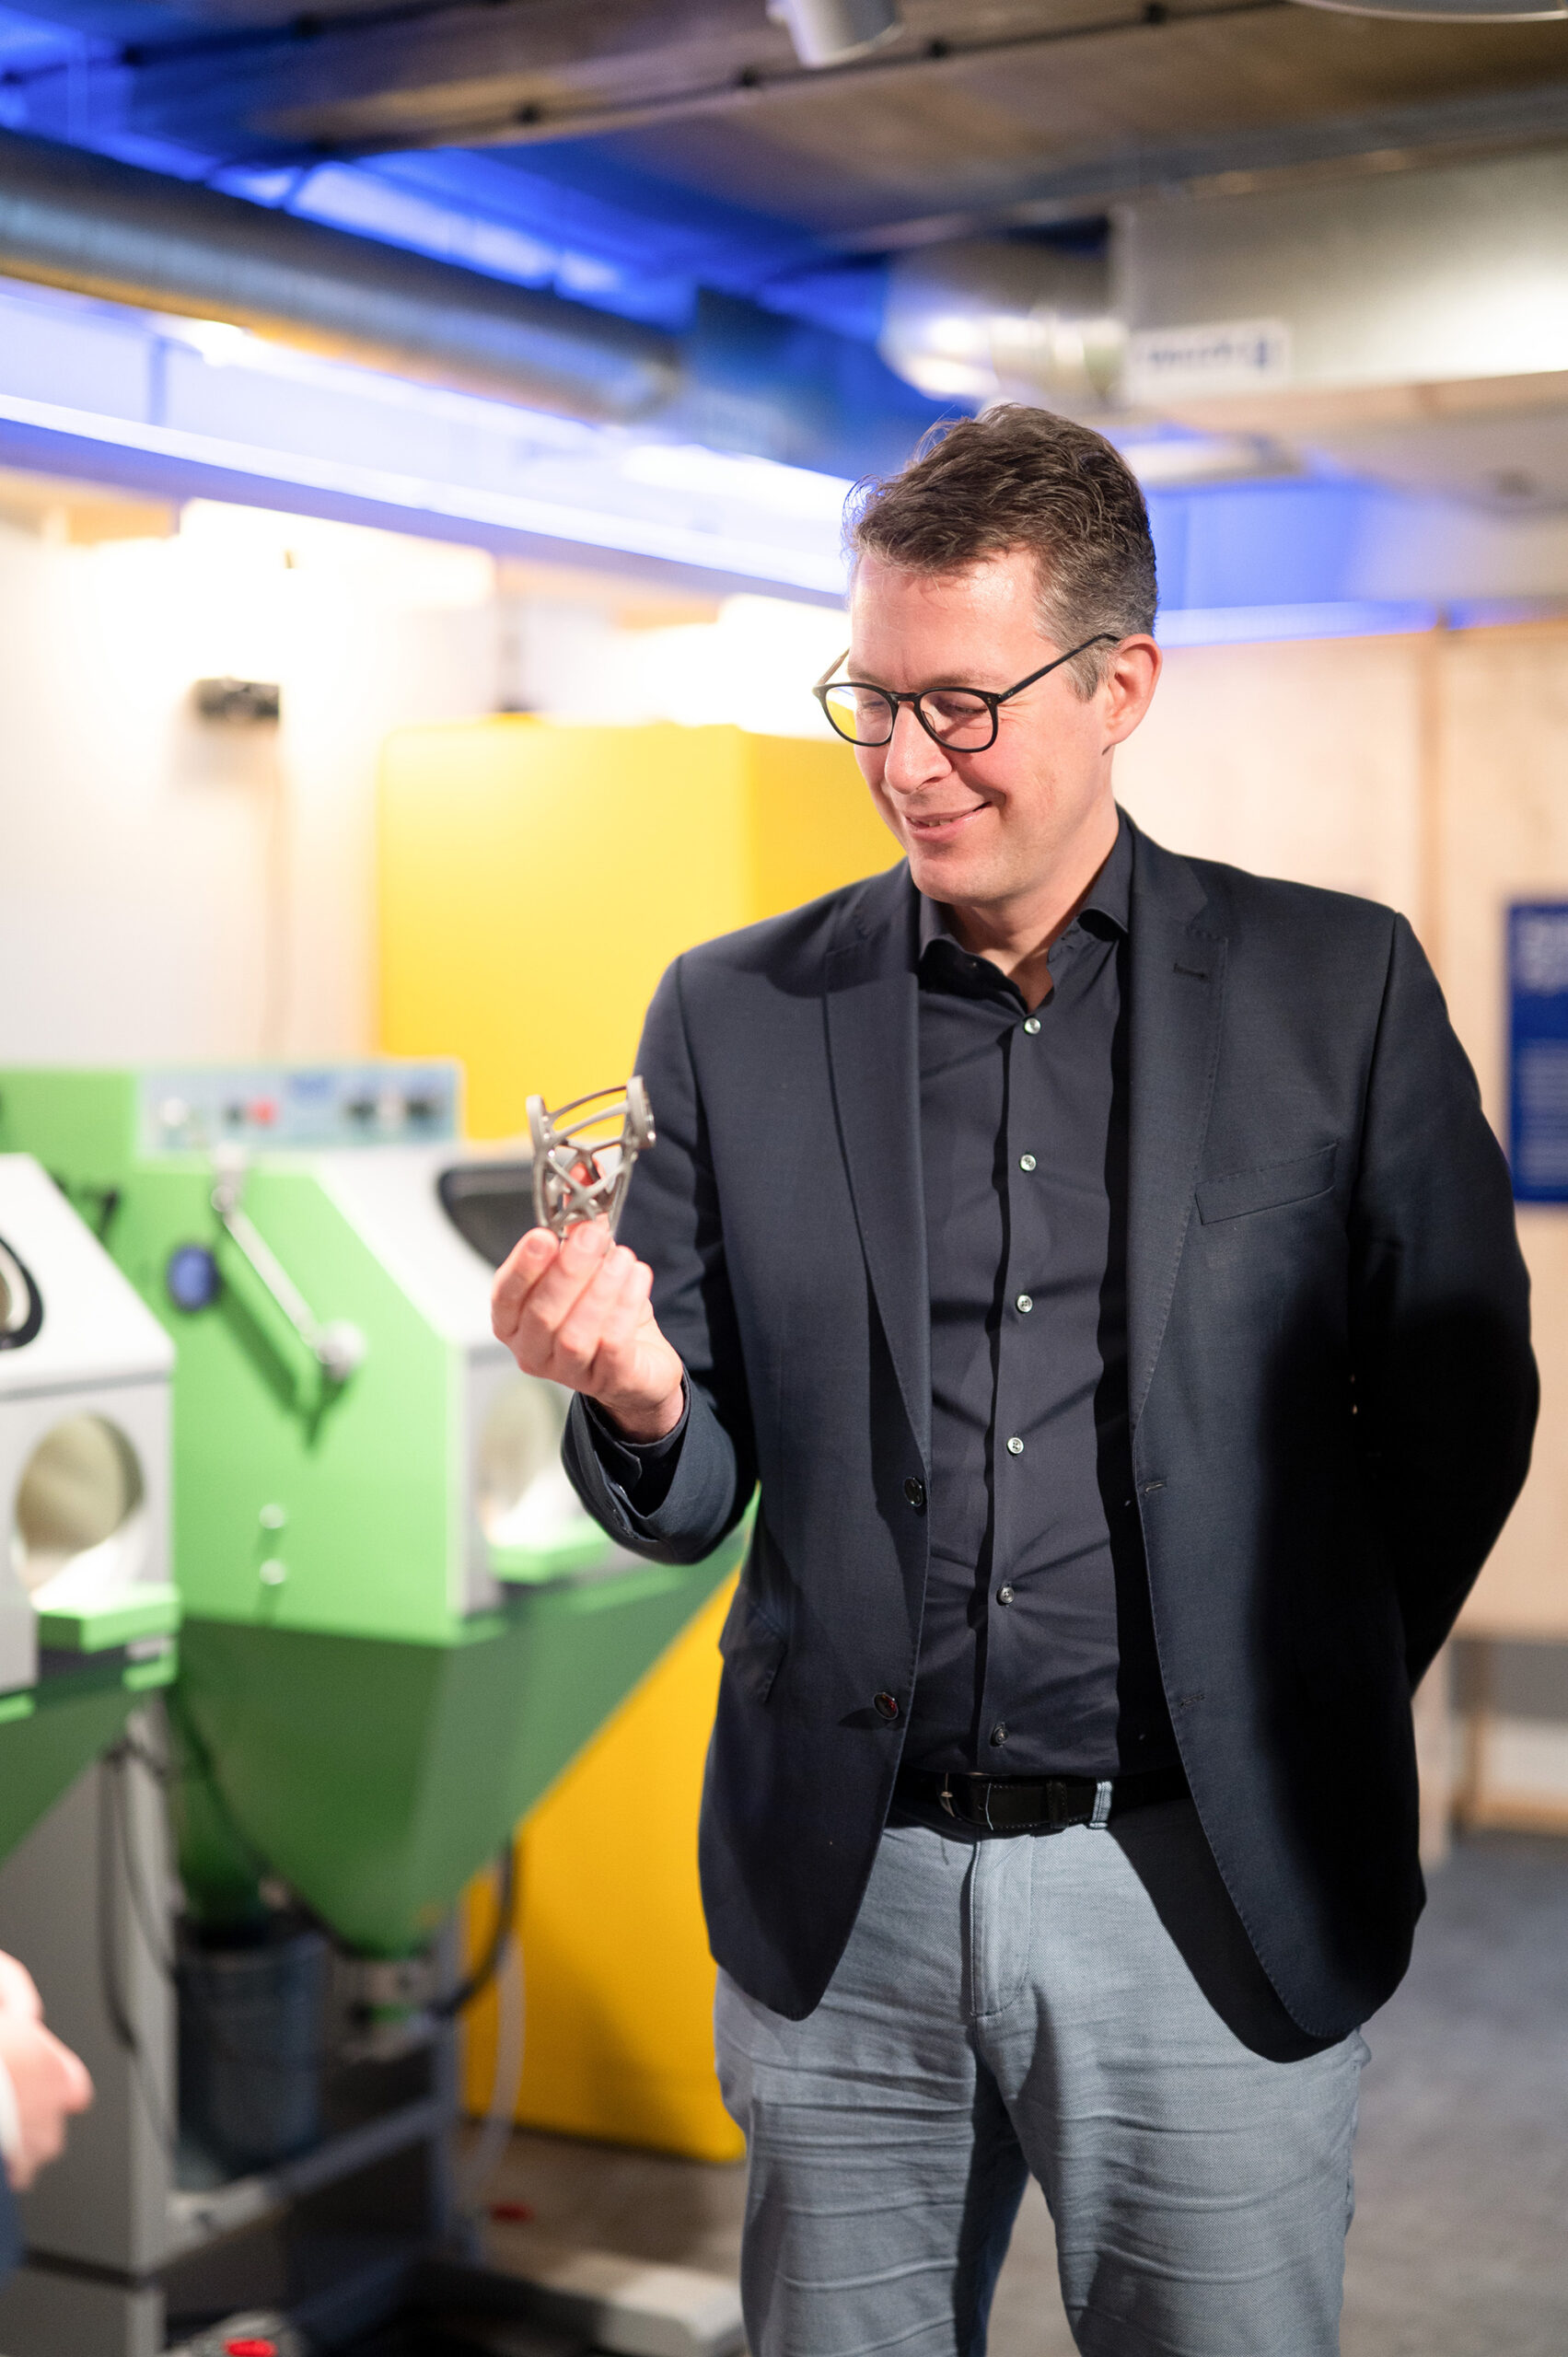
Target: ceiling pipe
point(72, 219)
point(831, 32)
point(981, 319)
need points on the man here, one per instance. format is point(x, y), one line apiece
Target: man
point(1099, 1261)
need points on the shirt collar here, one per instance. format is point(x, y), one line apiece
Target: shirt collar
point(1110, 895)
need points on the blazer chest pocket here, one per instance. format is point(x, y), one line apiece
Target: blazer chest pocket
point(1268, 1185)
point(751, 1646)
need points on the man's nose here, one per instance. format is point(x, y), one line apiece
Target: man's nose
point(914, 757)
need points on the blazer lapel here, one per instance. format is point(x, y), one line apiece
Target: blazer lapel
point(873, 1049)
point(1177, 987)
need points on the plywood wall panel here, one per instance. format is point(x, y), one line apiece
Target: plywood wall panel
point(1430, 772)
point(1301, 760)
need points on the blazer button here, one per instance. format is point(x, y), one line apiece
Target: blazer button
point(886, 1706)
point(915, 1492)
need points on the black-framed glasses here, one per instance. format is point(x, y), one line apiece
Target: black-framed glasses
point(961, 720)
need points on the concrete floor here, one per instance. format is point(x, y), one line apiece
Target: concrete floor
point(1460, 2243)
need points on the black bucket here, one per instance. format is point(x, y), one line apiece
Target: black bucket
point(252, 2019)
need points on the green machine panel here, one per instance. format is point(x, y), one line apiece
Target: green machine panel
point(399, 1626)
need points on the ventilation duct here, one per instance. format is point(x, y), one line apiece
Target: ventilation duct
point(1411, 325)
point(980, 321)
point(77, 220)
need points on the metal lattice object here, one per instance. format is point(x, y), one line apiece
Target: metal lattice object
point(582, 1166)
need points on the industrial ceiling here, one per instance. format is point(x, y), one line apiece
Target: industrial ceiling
point(697, 114)
point(679, 164)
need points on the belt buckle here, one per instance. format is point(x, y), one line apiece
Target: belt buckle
point(945, 1797)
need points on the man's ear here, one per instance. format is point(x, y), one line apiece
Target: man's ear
point(1130, 679)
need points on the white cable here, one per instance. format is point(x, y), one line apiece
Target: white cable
point(506, 2085)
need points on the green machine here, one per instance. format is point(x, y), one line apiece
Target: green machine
point(87, 1609)
point(398, 1625)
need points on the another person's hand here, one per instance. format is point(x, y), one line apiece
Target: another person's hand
point(578, 1312)
point(47, 2079)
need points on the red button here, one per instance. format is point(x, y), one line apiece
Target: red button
point(249, 2349)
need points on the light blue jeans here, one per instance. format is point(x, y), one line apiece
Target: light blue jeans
point(1082, 2005)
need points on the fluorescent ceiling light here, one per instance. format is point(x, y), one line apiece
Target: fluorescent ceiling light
point(721, 550)
point(1179, 462)
point(758, 483)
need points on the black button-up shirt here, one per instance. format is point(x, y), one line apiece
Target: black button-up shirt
point(1036, 1654)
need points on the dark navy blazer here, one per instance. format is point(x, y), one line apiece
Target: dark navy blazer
point(1330, 1385)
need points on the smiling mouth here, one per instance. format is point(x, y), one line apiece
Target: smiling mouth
point(942, 822)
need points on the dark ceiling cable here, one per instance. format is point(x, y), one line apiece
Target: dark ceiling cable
point(302, 32)
point(529, 123)
point(753, 83)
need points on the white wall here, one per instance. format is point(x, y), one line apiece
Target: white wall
point(169, 889)
point(173, 888)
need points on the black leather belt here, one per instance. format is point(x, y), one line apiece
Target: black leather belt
point(1030, 1804)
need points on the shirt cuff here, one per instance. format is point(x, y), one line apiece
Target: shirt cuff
point(643, 1468)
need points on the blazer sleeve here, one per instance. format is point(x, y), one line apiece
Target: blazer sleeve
point(678, 1511)
point(1446, 1390)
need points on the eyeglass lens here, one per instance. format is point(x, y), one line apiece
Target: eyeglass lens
point(953, 717)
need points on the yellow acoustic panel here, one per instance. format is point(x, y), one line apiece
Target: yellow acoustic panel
point(535, 881)
point(619, 1982)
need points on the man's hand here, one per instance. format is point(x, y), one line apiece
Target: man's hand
point(578, 1311)
point(47, 2079)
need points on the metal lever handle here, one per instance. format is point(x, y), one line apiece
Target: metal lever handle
point(336, 1349)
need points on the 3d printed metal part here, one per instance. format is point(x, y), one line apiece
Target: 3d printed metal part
point(582, 1165)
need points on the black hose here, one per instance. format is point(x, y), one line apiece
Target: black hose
point(456, 2001)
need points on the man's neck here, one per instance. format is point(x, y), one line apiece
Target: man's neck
point(1018, 934)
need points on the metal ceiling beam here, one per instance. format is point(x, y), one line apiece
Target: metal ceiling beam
point(1380, 140)
point(432, 74)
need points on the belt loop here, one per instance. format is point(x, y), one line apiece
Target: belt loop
point(1101, 1817)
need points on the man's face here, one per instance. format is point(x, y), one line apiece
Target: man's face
point(983, 829)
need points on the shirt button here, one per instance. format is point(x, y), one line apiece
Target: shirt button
point(1014, 1446)
point(1026, 1303)
point(999, 1734)
point(886, 1706)
point(1031, 1025)
point(915, 1492)
point(1026, 1162)
point(1005, 1594)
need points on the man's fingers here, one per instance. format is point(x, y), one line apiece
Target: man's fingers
point(18, 1993)
point(580, 1336)
point(76, 2082)
point(555, 1294)
point(625, 1317)
point(516, 1277)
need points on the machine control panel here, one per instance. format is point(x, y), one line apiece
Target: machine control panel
point(290, 1107)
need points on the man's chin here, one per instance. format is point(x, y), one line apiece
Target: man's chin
point(947, 873)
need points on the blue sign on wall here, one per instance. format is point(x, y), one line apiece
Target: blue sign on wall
point(1537, 1050)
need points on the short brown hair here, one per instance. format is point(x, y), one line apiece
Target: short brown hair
point(1022, 477)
